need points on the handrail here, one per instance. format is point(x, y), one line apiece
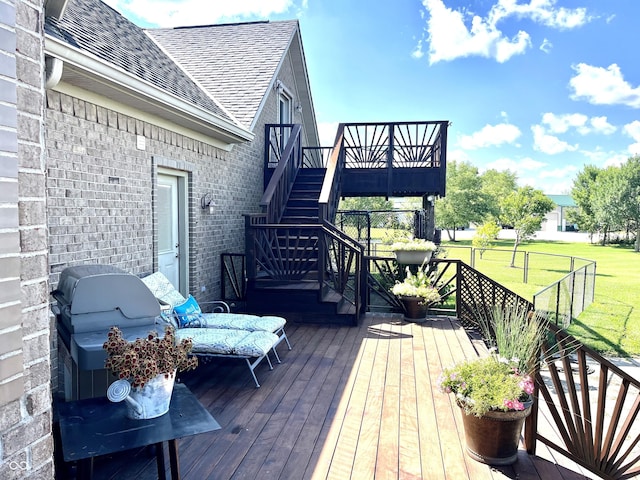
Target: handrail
point(330, 191)
point(275, 196)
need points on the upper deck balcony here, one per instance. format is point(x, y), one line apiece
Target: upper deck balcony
point(394, 159)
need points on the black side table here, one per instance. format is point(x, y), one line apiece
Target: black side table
point(96, 426)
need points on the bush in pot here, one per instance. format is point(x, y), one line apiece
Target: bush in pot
point(413, 251)
point(495, 392)
point(415, 291)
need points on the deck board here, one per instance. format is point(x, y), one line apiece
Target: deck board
point(346, 403)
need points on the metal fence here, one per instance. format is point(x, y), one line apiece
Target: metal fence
point(377, 230)
point(568, 297)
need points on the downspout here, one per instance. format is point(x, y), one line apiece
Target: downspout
point(52, 72)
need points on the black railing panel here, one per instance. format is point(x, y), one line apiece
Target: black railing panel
point(306, 253)
point(233, 273)
point(316, 157)
point(276, 194)
point(567, 298)
point(594, 406)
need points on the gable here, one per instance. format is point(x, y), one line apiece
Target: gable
point(235, 63)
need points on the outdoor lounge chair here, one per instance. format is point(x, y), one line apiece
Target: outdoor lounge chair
point(219, 333)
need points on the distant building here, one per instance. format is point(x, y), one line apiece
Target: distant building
point(556, 220)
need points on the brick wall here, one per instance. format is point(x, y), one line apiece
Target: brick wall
point(26, 447)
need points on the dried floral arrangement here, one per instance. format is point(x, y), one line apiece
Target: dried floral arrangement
point(142, 359)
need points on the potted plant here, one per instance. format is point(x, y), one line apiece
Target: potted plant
point(495, 392)
point(146, 368)
point(413, 251)
point(416, 293)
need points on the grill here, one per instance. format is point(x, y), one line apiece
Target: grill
point(89, 300)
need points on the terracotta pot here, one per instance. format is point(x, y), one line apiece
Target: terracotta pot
point(413, 257)
point(494, 437)
point(415, 308)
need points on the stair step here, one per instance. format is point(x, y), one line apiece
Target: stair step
point(299, 220)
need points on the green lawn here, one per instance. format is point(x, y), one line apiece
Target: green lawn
point(611, 324)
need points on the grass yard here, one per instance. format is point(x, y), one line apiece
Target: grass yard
point(611, 324)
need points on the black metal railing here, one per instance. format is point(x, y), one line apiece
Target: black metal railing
point(289, 157)
point(567, 298)
point(320, 254)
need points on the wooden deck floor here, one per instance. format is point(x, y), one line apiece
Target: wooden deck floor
point(346, 403)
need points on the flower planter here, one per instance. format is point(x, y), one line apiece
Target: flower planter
point(494, 437)
point(415, 308)
point(413, 257)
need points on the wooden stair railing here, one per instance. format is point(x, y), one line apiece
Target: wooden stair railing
point(276, 194)
point(321, 254)
point(330, 192)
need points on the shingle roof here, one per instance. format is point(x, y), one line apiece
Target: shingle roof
point(235, 63)
point(94, 27)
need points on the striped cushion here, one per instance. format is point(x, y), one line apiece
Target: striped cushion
point(223, 341)
point(256, 344)
point(212, 340)
point(251, 323)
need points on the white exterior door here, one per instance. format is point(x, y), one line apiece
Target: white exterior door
point(168, 229)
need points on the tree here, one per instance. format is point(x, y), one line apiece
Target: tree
point(366, 204)
point(583, 192)
point(630, 172)
point(362, 204)
point(524, 209)
point(498, 185)
point(465, 201)
point(608, 201)
point(485, 235)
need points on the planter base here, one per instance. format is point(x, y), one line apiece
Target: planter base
point(494, 438)
point(414, 310)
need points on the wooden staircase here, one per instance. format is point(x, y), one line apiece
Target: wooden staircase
point(298, 263)
point(296, 292)
point(302, 205)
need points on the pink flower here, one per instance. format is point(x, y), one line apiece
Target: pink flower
point(508, 404)
point(518, 405)
point(526, 384)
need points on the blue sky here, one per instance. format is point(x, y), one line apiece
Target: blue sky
point(540, 87)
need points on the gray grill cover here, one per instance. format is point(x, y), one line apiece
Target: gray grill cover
point(93, 298)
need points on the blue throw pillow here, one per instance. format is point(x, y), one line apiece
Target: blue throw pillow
point(188, 313)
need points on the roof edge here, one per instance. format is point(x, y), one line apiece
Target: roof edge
point(219, 127)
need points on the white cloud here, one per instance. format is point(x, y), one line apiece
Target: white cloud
point(562, 123)
point(524, 164)
point(633, 130)
point(546, 46)
point(581, 123)
point(490, 135)
point(454, 33)
point(559, 173)
point(605, 159)
point(536, 174)
point(602, 125)
point(603, 86)
point(172, 13)
point(417, 52)
point(549, 144)
point(458, 156)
